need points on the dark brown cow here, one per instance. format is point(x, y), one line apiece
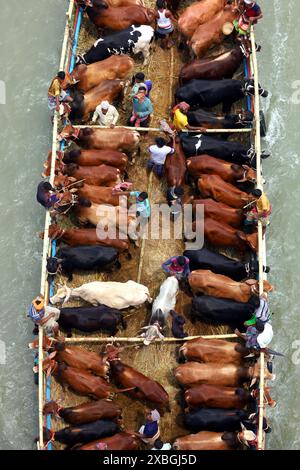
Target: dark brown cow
point(222, 66)
point(213, 350)
point(121, 139)
point(225, 375)
point(144, 387)
point(85, 103)
point(211, 33)
point(86, 412)
point(222, 235)
point(87, 77)
point(82, 382)
point(220, 212)
point(121, 441)
point(175, 166)
point(205, 164)
point(198, 13)
point(210, 396)
point(216, 285)
point(80, 358)
point(120, 18)
point(84, 237)
point(102, 175)
point(213, 186)
point(97, 157)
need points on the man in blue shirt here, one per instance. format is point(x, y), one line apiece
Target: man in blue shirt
point(142, 109)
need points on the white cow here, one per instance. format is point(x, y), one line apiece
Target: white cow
point(166, 300)
point(117, 295)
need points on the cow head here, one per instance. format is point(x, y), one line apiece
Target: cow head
point(63, 181)
point(53, 266)
point(248, 88)
point(62, 296)
point(49, 365)
point(55, 232)
point(245, 173)
point(85, 3)
point(113, 352)
point(69, 133)
point(250, 240)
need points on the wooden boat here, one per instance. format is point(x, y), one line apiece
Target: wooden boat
point(145, 267)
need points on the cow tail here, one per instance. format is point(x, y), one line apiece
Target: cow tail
point(123, 322)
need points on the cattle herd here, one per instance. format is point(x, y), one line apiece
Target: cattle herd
point(219, 379)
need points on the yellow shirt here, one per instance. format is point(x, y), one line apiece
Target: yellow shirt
point(180, 120)
point(55, 88)
point(263, 204)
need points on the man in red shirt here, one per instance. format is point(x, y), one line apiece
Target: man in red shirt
point(252, 11)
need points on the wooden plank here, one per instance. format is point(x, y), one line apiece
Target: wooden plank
point(115, 339)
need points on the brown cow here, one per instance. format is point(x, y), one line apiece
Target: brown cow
point(210, 396)
point(222, 66)
point(86, 77)
point(211, 33)
point(205, 164)
point(213, 350)
point(85, 103)
point(58, 164)
point(198, 13)
point(80, 358)
point(222, 235)
point(220, 212)
point(225, 375)
point(216, 285)
point(100, 195)
point(207, 440)
point(175, 166)
point(84, 413)
point(144, 387)
point(121, 441)
point(97, 157)
point(213, 186)
point(102, 175)
point(82, 382)
point(120, 18)
point(121, 139)
point(84, 237)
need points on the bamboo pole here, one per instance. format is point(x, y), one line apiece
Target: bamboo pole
point(47, 245)
point(261, 241)
point(115, 339)
point(157, 129)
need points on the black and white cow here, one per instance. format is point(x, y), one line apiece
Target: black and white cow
point(209, 93)
point(130, 41)
point(85, 258)
point(200, 144)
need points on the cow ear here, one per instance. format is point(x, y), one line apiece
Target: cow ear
point(52, 355)
point(242, 235)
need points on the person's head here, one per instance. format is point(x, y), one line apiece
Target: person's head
point(148, 415)
point(260, 326)
point(143, 89)
point(61, 75)
point(160, 4)
point(179, 191)
point(139, 77)
point(104, 106)
point(47, 186)
point(181, 260)
point(249, 2)
point(256, 193)
point(158, 444)
point(160, 142)
point(184, 107)
point(142, 196)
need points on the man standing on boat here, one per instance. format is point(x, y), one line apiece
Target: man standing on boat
point(56, 94)
point(106, 114)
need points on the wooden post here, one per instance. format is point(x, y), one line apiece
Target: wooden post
point(157, 129)
point(115, 339)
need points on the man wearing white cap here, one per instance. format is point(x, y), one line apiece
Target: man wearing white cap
point(106, 115)
point(252, 11)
